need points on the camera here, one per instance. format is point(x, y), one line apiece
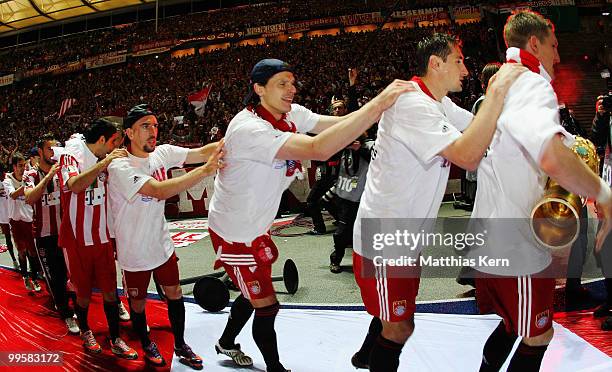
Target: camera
point(564, 113)
point(606, 102)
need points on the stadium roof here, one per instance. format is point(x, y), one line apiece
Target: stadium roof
point(21, 14)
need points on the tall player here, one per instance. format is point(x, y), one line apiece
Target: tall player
point(263, 148)
point(529, 141)
point(43, 192)
point(418, 136)
point(21, 215)
point(138, 187)
point(84, 232)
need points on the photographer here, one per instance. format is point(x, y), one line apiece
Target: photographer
point(575, 294)
point(601, 124)
point(601, 138)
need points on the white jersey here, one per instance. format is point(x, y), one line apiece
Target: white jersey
point(84, 213)
point(249, 189)
point(140, 228)
point(5, 204)
point(510, 181)
point(19, 210)
point(407, 178)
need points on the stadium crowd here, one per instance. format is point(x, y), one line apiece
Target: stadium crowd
point(31, 107)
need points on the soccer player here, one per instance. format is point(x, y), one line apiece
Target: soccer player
point(138, 187)
point(264, 146)
point(84, 232)
point(417, 139)
point(21, 215)
point(43, 193)
point(5, 216)
point(529, 141)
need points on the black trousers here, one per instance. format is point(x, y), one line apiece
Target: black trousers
point(343, 236)
point(578, 252)
point(313, 205)
point(54, 267)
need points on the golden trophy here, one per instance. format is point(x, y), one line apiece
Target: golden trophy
point(555, 219)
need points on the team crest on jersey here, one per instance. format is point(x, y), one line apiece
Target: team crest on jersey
point(254, 287)
point(399, 307)
point(133, 292)
point(102, 177)
point(542, 319)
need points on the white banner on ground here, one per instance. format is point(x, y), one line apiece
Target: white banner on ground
point(185, 238)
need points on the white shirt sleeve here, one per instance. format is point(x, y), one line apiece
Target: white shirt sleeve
point(125, 178)
point(531, 115)
point(421, 126)
point(68, 168)
point(256, 141)
point(8, 187)
point(457, 116)
point(303, 118)
point(172, 156)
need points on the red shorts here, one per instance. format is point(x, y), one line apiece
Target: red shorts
point(249, 266)
point(525, 303)
point(137, 282)
point(23, 236)
point(386, 293)
point(91, 266)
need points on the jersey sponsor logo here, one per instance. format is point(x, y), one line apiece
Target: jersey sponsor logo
point(49, 199)
point(95, 196)
point(254, 287)
point(542, 319)
point(399, 307)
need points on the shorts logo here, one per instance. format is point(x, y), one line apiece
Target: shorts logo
point(133, 292)
point(136, 178)
point(254, 287)
point(399, 307)
point(542, 319)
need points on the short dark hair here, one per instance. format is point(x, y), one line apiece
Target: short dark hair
point(104, 126)
point(438, 44)
point(489, 70)
point(17, 156)
point(44, 138)
point(523, 24)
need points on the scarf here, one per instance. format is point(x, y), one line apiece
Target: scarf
point(516, 55)
point(293, 166)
